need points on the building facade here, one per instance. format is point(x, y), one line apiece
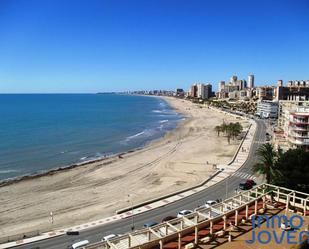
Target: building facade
point(267, 109)
point(204, 91)
point(251, 81)
point(265, 92)
point(294, 120)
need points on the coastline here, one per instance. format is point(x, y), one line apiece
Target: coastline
point(107, 159)
point(162, 166)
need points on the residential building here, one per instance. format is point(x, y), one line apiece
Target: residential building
point(221, 86)
point(193, 91)
point(251, 81)
point(294, 121)
point(265, 92)
point(295, 90)
point(280, 83)
point(204, 91)
point(234, 88)
point(233, 79)
point(267, 109)
point(180, 92)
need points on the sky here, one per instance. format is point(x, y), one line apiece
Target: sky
point(85, 46)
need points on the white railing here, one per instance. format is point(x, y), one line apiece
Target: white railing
point(206, 217)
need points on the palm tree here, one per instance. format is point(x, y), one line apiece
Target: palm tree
point(236, 129)
point(218, 129)
point(267, 161)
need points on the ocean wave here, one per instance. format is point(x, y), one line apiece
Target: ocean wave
point(135, 135)
point(7, 171)
point(163, 121)
point(157, 111)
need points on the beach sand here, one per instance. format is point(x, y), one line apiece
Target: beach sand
point(97, 190)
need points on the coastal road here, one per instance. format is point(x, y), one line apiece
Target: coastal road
point(217, 191)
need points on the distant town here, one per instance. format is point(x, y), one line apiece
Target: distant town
point(286, 106)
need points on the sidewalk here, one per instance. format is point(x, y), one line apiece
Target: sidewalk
point(229, 169)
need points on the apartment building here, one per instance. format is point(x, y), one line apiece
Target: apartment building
point(267, 109)
point(293, 119)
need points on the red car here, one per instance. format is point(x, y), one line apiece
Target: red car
point(250, 182)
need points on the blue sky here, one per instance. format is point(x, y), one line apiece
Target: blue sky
point(97, 45)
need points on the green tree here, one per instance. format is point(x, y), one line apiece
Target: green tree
point(267, 163)
point(293, 166)
point(235, 129)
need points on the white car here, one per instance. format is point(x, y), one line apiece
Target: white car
point(210, 203)
point(183, 213)
point(79, 244)
point(109, 237)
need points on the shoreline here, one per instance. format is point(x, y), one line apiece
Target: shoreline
point(79, 194)
point(63, 168)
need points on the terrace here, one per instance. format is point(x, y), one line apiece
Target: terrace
point(209, 224)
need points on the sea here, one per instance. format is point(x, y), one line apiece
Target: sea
point(41, 132)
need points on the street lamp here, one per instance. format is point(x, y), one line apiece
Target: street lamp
point(132, 213)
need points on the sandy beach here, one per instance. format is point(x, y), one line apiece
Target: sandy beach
point(98, 189)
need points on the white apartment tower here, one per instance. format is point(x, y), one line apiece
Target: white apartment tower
point(204, 91)
point(251, 81)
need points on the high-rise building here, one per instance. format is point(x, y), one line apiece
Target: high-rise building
point(204, 91)
point(280, 83)
point(221, 86)
point(208, 91)
point(242, 84)
point(233, 79)
point(251, 81)
point(193, 91)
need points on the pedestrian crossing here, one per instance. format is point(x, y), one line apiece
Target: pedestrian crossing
point(244, 175)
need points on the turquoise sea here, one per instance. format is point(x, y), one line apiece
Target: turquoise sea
point(40, 132)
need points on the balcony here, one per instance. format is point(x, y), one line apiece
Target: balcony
point(298, 141)
point(299, 121)
point(298, 128)
point(299, 135)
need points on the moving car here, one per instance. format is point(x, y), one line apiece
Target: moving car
point(183, 213)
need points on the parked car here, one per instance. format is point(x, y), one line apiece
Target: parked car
point(168, 218)
point(150, 224)
point(207, 204)
point(183, 213)
point(79, 244)
point(109, 237)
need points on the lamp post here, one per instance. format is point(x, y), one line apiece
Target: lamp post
point(132, 213)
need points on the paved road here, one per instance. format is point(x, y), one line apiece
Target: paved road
point(217, 191)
